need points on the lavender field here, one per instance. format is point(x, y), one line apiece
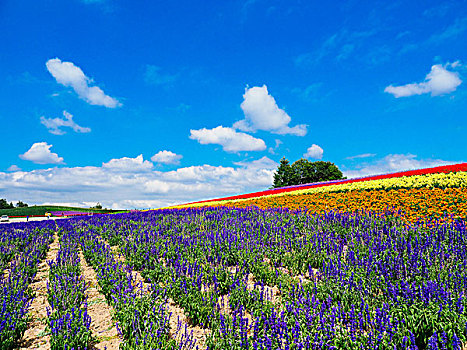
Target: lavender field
point(220, 278)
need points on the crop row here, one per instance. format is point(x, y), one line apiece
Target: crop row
point(141, 317)
point(291, 280)
point(69, 322)
point(28, 245)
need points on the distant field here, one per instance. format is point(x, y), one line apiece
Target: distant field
point(42, 209)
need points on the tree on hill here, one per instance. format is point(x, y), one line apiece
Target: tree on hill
point(283, 174)
point(303, 171)
point(4, 204)
point(20, 204)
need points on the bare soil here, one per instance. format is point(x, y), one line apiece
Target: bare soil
point(102, 325)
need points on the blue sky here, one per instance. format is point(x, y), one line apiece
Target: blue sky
point(155, 103)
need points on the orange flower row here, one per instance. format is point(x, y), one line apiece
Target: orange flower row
point(414, 204)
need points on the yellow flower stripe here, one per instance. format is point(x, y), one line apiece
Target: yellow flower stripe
point(439, 180)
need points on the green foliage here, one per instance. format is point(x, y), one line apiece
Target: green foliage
point(283, 174)
point(303, 171)
point(75, 335)
point(5, 205)
point(42, 209)
point(140, 317)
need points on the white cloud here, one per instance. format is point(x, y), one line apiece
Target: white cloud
point(157, 186)
point(144, 188)
point(277, 145)
point(39, 153)
point(314, 152)
point(228, 138)
point(67, 74)
point(438, 82)
point(394, 163)
point(14, 168)
point(126, 164)
point(166, 157)
point(262, 113)
point(363, 155)
point(54, 124)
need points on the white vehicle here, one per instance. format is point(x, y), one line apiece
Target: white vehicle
point(4, 218)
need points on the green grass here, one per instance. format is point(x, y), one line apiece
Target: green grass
point(42, 209)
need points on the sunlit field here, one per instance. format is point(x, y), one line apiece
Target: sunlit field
point(377, 265)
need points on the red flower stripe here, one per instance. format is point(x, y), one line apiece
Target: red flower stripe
point(426, 171)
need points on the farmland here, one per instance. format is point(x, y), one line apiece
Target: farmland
point(378, 266)
point(40, 210)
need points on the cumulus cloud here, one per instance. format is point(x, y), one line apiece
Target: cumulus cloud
point(54, 124)
point(137, 189)
point(439, 81)
point(40, 153)
point(126, 164)
point(394, 163)
point(157, 186)
point(314, 152)
point(67, 74)
point(262, 113)
point(228, 138)
point(14, 167)
point(166, 157)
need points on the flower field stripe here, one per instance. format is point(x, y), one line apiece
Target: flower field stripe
point(15, 294)
point(423, 204)
point(462, 167)
point(68, 320)
point(433, 181)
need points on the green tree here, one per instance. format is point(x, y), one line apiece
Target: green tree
point(326, 171)
point(283, 174)
point(97, 206)
point(303, 172)
point(4, 204)
point(20, 204)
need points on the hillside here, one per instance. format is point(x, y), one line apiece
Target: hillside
point(39, 210)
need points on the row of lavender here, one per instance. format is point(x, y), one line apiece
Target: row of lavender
point(372, 282)
point(140, 315)
point(68, 320)
point(22, 247)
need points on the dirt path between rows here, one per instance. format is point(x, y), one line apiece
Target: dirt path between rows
point(36, 336)
point(102, 325)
